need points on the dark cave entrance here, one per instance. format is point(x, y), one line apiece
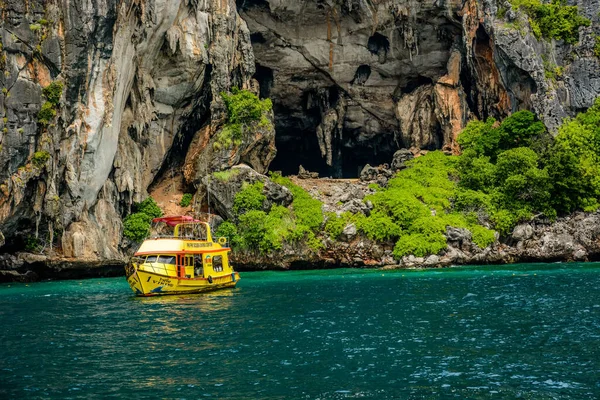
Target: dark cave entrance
point(297, 144)
point(301, 147)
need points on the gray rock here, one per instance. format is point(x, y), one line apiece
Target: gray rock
point(304, 174)
point(522, 232)
point(458, 235)
point(352, 193)
point(400, 158)
point(368, 173)
point(349, 232)
point(355, 206)
point(221, 192)
point(432, 260)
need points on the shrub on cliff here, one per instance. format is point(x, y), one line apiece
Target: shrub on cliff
point(416, 208)
point(46, 113)
point(186, 200)
point(574, 164)
point(265, 232)
point(148, 207)
point(244, 111)
point(250, 198)
point(53, 92)
point(553, 20)
point(306, 209)
point(136, 226)
point(502, 177)
point(40, 158)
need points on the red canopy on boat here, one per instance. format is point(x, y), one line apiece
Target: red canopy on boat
point(172, 221)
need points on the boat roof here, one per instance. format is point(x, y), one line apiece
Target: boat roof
point(174, 220)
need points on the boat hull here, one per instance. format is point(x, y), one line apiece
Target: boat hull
point(144, 283)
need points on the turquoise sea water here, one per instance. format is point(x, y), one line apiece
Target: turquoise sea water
point(521, 331)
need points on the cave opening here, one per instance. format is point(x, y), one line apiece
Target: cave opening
point(414, 83)
point(379, 45)
point(257, 37)
point(264, 76)
point(297, 144)
point(248, 4)
point(301, 147)
point(361, 75)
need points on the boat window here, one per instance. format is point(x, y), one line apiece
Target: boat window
point(217, 263)
point(151, 259)
point(166, 259)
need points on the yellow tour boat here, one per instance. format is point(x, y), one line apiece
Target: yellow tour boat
point(180, 257)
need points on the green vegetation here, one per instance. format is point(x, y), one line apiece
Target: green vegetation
point(32, 244)
point(553, 20)
point(250, 198)
point(574, 163)
point(508, 173)
point(46, 114)
point(266, 231)
point(536, 175)
point(307, 210)
point(552, 71)
point(224, 176)
point(136, 226)
point(186, 200)
point(597, 47)
point(40, 158)
point(53, 92)
point(244, 111)
point(415, 209)
point(35, 27)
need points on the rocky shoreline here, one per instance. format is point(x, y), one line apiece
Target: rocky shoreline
point(572, 238)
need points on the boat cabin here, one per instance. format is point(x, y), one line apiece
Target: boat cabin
point(183, 247)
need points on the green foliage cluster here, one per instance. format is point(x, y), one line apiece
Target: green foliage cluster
point(415, 209)
point(535, 174)
point(597, 47)
point(418, 202)
point(53, 93)
point(186, 200)
point(574, 163)
point(46, 114)
point(306, 209)
point(244, 111)
point(553, 20)
point(267, 231)
point(136, 226)
point(32, 244)
point(40, 158)
point(501, 173)
point(250, 198)
point(225, 176)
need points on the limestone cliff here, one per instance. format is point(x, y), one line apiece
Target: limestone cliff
point(371, 77)
point(351, 82)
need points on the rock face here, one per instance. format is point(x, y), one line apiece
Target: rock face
point(222, 190)
point(355, 81)
point(351, 83)
point(141, 90)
